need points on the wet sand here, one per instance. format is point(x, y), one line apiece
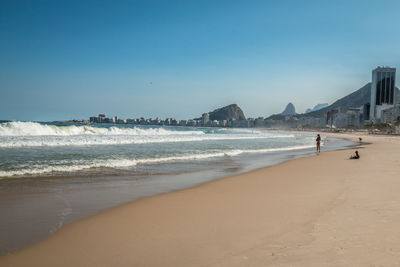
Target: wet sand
point(324, 210)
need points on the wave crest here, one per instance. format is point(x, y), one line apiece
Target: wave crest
point(19, 128)
point(126, 163)
point(32, 134)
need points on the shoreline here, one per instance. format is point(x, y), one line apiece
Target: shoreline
point(56, 202)
point(175, 218)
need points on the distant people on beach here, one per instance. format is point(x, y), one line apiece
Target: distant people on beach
point(318, 143)
point(360, 139)
point(355, 156)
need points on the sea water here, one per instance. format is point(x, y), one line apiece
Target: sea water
point(42, 149)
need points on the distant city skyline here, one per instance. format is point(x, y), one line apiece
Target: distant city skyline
point(65, 60)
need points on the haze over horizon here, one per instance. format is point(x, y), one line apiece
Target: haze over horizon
point(65, 60)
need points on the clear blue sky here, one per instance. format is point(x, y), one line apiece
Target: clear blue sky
point(73, 59)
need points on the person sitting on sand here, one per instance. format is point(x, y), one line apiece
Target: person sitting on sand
point(318, 143)
point(355, 156)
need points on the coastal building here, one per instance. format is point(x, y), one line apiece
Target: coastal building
point(191, 123)
point(396, 113)
point(108, 120)
point(101, 118)
point(235, 123)
point(365, 111)
point(93, 119)
point(205, 118)
point(391, 114)
point(383, 93)
point(259, 122)
point(242, 123)
point(250, 123)
point(142, 121)
point(214, 123)
point(339, 120)
point(353, 116)
point(397, 129)
point(330, 116)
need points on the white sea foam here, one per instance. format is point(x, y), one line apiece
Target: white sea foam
point(120, 140)
point(18, 128)
point(79, 165)
point(31, 134)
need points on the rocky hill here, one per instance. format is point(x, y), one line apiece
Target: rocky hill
point(353, 100)
point(289, 110)
point(232, 111)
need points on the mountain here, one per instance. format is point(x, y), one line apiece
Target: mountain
point(289, 110)
point(229, 112)
point(355, 99)
point(317, 107)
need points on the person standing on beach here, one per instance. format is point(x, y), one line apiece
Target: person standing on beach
point(318, 143)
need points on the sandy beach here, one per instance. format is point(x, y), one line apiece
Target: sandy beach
point(323, 210)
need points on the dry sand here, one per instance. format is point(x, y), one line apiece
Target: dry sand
point(319, 211)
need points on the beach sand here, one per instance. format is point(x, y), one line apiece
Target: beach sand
point(324, 210)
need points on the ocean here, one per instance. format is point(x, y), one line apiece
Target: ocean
point(43, 149)
point(52, 174)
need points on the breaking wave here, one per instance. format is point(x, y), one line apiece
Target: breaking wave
point(32, 134)
point(18, 128)
point(79, 165)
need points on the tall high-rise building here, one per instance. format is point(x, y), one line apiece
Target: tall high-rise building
point(383, 93)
